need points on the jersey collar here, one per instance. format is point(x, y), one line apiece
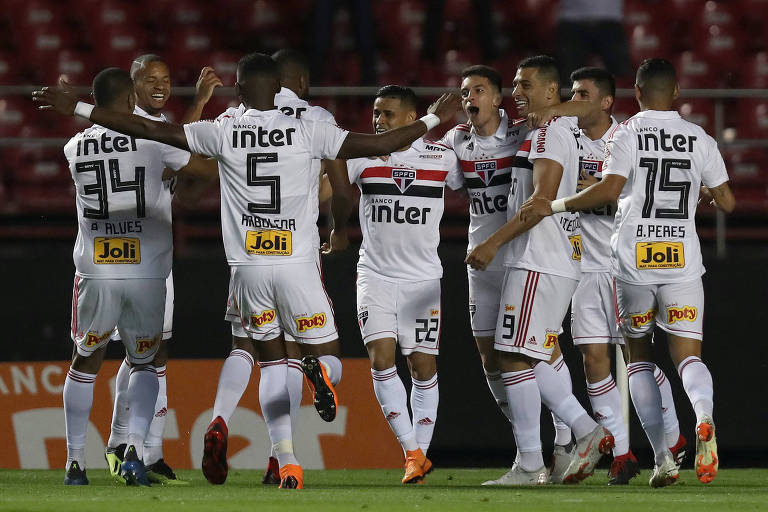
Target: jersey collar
point(287, 93)
point(659, 114)
point(143, 113)
point(501, 131)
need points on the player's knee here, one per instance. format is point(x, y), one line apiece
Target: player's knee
point(423, 366)
point(90, 363)
point(381, 354)
point(161, 357)
point(246, 344)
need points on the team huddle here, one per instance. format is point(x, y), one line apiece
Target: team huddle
point(567, 207)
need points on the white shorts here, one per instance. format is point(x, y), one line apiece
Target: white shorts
point(484, 299)
point(593, 311)
point(135, 306)
point(678, 308)
point(269, 300)
point(409, 312)
point(167, 318)
point(531, 312)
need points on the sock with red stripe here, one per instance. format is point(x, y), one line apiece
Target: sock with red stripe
point(525, 408)
point(605, 400)
point(498, 390)
point(153, 443)
point(78, 399)
point(697, 382)
point(333, 368)
point(669, 413)
point(425, 395)
point(390, 393)
point(142, 396)
point(647, 401)
point(234, 378)
point(562, 430)
point(275, 403)
point(556, 396)
point(119, 430)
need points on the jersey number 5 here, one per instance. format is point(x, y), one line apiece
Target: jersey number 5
point(272, 182)
point(100, 187)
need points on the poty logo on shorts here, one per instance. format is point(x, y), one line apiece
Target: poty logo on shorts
point(403, 178)
point(262, 318)
point(93, 338)
point(640, 320)
point(509, 307)
point(145, 344)
point(486, 170)
point(310, 322)
point(434, 312)
point(686, 313)
point(550, 340)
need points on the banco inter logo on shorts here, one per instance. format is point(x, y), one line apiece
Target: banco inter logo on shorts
point(270, 242)
point(116, 250)
point(306, 323)
point(654, 255)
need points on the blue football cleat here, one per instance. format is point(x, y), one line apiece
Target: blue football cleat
point(133, 469)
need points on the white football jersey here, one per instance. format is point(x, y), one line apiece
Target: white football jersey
point(486, 163)
point(664, 158)
point(268, 212)
point(401, 204)
point(597, 223)
point(553, 246)
point(169, 185)
point(123, 209)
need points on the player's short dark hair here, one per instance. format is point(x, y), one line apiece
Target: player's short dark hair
point(289, 60)
point(603, 79)
point(142, 61)
point(493, 76)
point(109, 84)
point(546, 65)
point(405, 94)
point(257, 65)
point(656, 74)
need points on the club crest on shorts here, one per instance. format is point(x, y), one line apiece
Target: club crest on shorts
point(486, 170)
point(403, 178)
point(362, 318)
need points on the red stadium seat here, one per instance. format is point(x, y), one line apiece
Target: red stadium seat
point(41, 164)
point(39, 198)
point(26, 14)
point(17, 117)
point(10, 72)
point(40, 45)
point(120, 45)
point(755, 71)
point(188, 50)
point(753, 119)
point(624, 108)
point(649, 41)
point(700, 112)
point(721, 45)
point(694, 72)
point(748, 166)
point(225, 65)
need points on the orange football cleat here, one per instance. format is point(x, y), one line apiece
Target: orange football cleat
point(291, 477)
point(417, 466)
point(707, 462)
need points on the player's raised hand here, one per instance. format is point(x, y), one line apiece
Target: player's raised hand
point(336, 243)
point(207, 82)
point(535, 209)
point(481, 256)
point(539, 118)
point(705, 197)
point(60, 99)
point(445, 107)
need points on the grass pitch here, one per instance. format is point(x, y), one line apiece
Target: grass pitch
point(368, 490)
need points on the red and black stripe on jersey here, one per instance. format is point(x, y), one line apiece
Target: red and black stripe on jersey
point(430, 182)
point(473, 179)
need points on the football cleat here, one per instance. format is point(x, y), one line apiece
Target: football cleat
point(589, 450)
point(291, 477)
point(623, 469)
point(678, 451)
point(133, 469)
point(272, 473)
point(114, 457)
point(517, 476)
point(325, 398)
point(75, 475)
point(161, 473)
point(664, 474)
point(561, 460)
point(215, 466)
point(417, 467)
point(707, 462)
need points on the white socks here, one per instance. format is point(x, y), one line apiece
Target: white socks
point(390, 393)
point(153, 443)
point(562, 430)
point(646, 398)
point(78, 399)
point(275, 405)
point(525, 408)
point(562, 402)
point(498, 390)
point(425, 395)
point(120, 413)
point(668, 411)
point(697, 382)
point(234, 378)
point(332, 368)
point(142, 395)
point(607, 409)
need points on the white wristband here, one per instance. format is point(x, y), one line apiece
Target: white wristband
point(558, 206)
point(83, 110)
point(431, 120)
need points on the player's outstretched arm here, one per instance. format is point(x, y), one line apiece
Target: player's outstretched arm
point(207, 82)
point(722, 197)
point(540, 117)
point(341, 205)
point(359, 145)
point(65, 103)
point(606, 191)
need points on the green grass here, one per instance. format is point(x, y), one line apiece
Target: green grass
point(367, 490)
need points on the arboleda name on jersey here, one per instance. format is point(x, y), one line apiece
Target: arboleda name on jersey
point(116, 250)
point(658, 255)
point(271, 242)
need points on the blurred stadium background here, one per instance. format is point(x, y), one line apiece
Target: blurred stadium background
point(720, 49)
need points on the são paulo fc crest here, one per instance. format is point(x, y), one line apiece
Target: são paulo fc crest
point(486, 170)
point(403, 178)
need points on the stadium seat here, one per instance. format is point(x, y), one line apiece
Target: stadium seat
point(10, 72)
point(747, 166)
point(225, 65)
point(700, 112)
point(39, 45)
point(721, 45)
point(26, 14)
point(120, 45)
point(695, 72)
point(40, 199)
point(17, 116)
point(753, 119)
point(624, 108)
point(188, 49)
point(44, 165)
point(649, 41)
point(755, 71)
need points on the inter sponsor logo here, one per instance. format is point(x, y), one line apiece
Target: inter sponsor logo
point(642, 319)
point(269, 243)
point(116, 250)
point(686, 313)
point(265, 317)
point(259, 136)
point(399, 214)
point(106, 144)
point(306, 323)
point(659, 255)
point(403, 178)
point(664, 141)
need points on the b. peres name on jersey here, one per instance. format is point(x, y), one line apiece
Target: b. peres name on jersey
point(246, 138)
point(398, 214)
point(649, 141)
point(105, 144)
